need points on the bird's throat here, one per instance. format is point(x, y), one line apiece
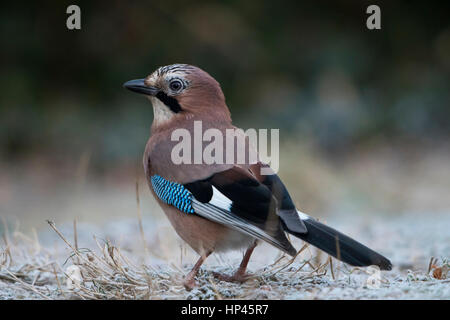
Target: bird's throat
point(161, 112)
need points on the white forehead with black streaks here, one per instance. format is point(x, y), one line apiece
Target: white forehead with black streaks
point(172, 71)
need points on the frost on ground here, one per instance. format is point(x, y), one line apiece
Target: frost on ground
point(113, 262)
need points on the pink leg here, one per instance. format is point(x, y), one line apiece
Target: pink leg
point(240, 274)
point(189, 280)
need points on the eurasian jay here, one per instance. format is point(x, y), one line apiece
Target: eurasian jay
point(224, 206)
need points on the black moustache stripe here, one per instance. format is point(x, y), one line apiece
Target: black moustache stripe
point(170, 102)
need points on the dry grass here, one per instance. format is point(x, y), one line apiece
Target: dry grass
point(30, 271)
point(106, 273)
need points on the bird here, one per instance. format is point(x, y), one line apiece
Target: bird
point(223, 206)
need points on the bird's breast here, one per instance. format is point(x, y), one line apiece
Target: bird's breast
point(204, 235)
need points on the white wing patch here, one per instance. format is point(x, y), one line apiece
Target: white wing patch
point(220, 200)
point(302, 216)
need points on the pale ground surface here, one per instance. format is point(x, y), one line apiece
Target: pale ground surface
point(32, 271)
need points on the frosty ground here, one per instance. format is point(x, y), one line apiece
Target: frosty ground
point(117, 261)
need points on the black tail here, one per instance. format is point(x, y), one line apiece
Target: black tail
point(341, 246)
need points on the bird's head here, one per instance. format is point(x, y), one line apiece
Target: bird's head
point(181, 91)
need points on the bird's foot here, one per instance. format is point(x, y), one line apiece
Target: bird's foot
point(238, 277)
point(189, 283)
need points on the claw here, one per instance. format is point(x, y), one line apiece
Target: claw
point(189, 284)
point(238, 277)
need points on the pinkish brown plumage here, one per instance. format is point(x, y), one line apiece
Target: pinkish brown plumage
point(230, 206)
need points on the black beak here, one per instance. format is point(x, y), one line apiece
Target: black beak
point(139, 86)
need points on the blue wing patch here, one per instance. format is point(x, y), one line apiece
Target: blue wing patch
point(173, 193)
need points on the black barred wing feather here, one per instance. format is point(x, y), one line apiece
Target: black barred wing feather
point(246, 210)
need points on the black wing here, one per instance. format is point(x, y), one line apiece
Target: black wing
point(233, 197)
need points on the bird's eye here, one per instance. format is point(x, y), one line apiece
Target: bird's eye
point(175, 85)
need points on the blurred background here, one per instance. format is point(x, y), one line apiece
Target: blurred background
point(364, 116)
